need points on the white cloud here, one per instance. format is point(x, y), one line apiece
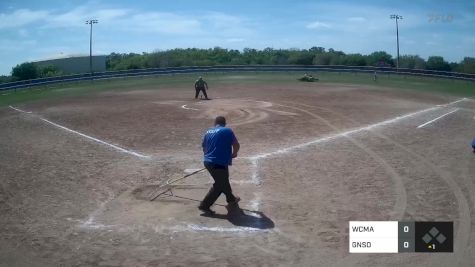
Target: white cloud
point(318, 24)
point(111, 14)
point(209, 24)
point(17, 45)
point(160, 22)
point(228, 25)
point(78, 16)
point(46, 19)
point(21, 17)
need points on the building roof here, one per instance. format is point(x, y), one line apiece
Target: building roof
point(63, 56)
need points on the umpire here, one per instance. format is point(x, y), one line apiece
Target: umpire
point(220, 145)
point(200, 85)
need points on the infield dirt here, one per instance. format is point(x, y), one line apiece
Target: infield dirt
point(302, 174)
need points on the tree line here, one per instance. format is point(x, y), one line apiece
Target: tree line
point(268, 56)
point(30, 70)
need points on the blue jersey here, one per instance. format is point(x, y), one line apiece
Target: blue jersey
point(473, 143)
point(217, 145)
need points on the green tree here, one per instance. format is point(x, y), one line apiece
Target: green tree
point(412, 62)
point(251, 56)
point(300, 58)
point(336, 57)
point(112, 60)
point(5, 79)
point(467, 65)
point(25, 71)
point(127, 61)
point(49, 71)
point(317, 50)
point(379, 58)
point(354, 60)
point(279, 57)
point(270, 56)
point(437, 63)
point(322, 59)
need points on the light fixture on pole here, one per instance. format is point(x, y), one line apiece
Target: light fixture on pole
point(90, 22)
point(397, 17)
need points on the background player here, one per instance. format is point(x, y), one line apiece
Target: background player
point(200, 85)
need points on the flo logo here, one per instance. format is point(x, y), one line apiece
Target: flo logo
point(434, 236)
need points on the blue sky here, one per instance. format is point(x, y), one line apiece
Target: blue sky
point(35, 30)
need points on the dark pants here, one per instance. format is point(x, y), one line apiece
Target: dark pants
point(221, 184)
point(198, 89)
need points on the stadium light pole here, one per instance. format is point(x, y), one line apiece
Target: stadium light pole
point(396, 17)
point(90, 22)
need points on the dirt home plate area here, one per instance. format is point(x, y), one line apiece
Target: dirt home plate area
point(77, 174)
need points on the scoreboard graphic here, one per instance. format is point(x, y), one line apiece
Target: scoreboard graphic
point(395, 237)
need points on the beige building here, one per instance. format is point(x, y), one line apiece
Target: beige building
point(76, 64)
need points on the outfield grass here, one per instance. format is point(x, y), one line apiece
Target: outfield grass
point(436, 85)
point(415, 83)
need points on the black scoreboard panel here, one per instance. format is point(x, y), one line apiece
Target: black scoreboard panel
point(395, 237)
point(434, 237)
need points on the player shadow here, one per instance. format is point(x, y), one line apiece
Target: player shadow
point(238, 217)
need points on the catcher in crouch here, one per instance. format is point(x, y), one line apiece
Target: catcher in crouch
point(200, 85)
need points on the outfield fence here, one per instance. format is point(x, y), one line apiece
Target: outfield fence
point(240, 68)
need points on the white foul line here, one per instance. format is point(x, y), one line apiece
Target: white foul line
point(84, 135)
point(17, 109)
point(254, 159)
point(342, 134)
point(185, 107)
point(454, 102)
point(438, 118)
point(96, 140)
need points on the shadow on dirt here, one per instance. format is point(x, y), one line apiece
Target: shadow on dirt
point(238, 217)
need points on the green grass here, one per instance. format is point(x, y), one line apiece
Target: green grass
point(414, 83)
point(84, 87)
point(423, 84)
